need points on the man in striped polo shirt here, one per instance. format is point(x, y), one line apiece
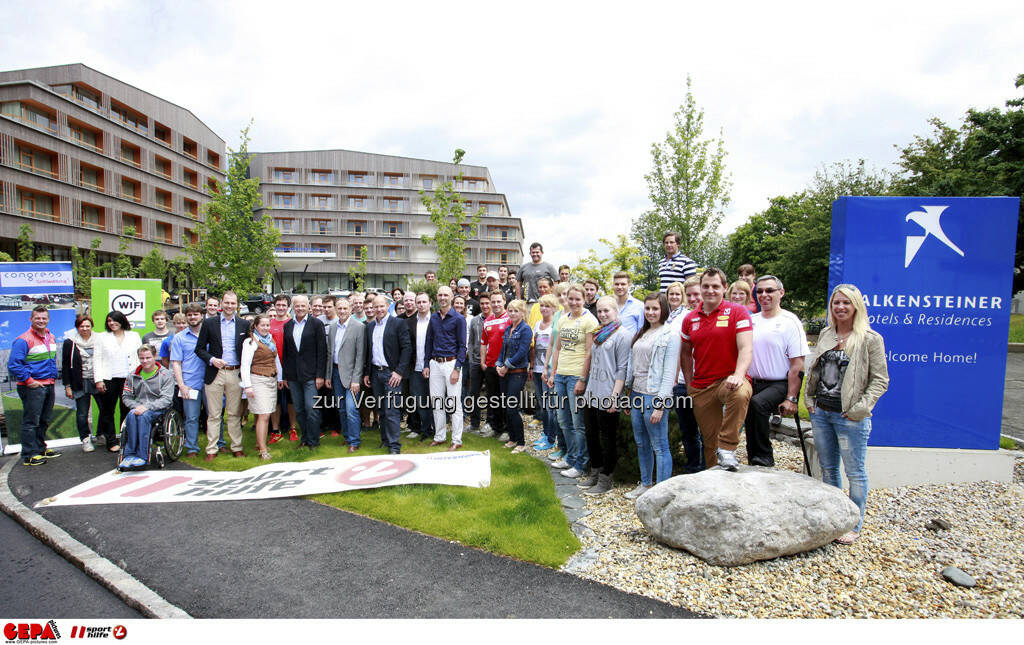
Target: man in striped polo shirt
point(674, 267)
point(33, 363)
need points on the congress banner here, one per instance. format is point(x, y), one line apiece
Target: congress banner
point(936, 274)
point(292, 479)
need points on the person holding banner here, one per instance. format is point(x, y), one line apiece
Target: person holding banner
point(148, 392)
point(846, 375)
point(78, 375)
point(116, 357)
point(261, 378)
point(33, 363)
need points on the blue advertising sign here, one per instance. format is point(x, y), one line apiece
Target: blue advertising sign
point(936, 274)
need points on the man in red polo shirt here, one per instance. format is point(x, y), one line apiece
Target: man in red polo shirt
point(715, 353)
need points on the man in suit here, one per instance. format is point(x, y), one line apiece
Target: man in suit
point(347, 346)
point(305, 363)
point(388, 357)
point(419, 385)
point(220, 346)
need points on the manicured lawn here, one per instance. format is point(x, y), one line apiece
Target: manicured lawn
point(518, 515)
point(1017, 328)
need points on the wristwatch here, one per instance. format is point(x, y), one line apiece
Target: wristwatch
point(792, 399)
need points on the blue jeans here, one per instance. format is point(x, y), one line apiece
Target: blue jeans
point(306, 413)
point(37, 406)
point(350, 426)
point(546, 411)
point(651, 441)
point(511, 387)
point(836, 437)
point(192, 408)
point(83, 404)
point(570, 418)
point(135, 442)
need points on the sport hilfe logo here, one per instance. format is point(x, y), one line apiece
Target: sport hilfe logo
point(928, 219)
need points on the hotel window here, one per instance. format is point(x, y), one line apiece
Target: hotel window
point(86, 97)
point(30, 114)
point(352, 251)
point(284, 175)
point(321, 226)
point(392, 229)
point(283, 200)
point(459, 184)
point(131, 189)
point(212, 159)
point(162, 133)
point(468, 230)
point(190, 147)
point(499, 256)
point(162, 166)
point(92, 217)
point(321, 202)
point(392, 252)
point(357, 178)
point(86, 136)
point(356, 228)
point(129, 117)
point(211, 183)
point(428, 183)
point(319, 247)
point(391, 179)
point(467, 207)
point(131, 154)
point(37, 161)
point(191, 236)
point(191, 208)
point(284, 225)
point(162, 198)
point(191, 177)
point(357, 202)
point(36, 205)
point(163, 232)
point(322, 177)
point(91, 177)
point(472, 184)
point(393, 204)
point(133, 222)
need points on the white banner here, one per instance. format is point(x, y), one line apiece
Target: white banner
point(290, 479)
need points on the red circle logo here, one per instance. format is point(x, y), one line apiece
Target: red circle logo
point(375, 471)
point(120, 632)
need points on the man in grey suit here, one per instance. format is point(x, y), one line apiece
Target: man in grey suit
point(347, 345)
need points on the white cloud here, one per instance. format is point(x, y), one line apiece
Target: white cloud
point(561, 100)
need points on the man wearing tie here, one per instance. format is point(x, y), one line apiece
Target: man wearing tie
point(388, 359)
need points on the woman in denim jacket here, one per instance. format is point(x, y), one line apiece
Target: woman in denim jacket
point(846, 375)
point(652, 374)
point(513, 366)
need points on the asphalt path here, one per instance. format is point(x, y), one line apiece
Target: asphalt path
point(38, 583)
point(293, 558)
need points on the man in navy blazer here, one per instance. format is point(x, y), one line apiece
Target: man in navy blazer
point(305, 361)
point(388, 358)
point(220, 346)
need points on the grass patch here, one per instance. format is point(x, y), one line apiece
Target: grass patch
point(1017, 328)
point(1007, 443)
point(62, 420)
point(518, 515)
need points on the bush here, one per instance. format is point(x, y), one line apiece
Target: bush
point(627, 469)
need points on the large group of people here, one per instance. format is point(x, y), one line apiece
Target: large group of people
point(721, 356)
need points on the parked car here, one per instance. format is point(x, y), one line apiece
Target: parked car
point(259, 303)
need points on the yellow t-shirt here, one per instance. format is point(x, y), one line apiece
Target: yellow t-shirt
point(572, 334)
point(534, 315)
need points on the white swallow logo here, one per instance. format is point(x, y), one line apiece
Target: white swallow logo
point(928, 219)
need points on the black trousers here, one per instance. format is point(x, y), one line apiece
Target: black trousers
point(495, 413)
point(601, 435)
point(767, 397)
point(110, 400)
point(476, 383)
point(693, 444)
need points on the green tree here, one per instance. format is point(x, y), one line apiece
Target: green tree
point(447, 212)
point(85, 267)
point(5, 257)
point(756, 241)
point(26, 249)
point(234, 246)
point(983, 157)
point(621, 255)
point(123, 267)
point(358, 270)
point(689, 190)
point(153, 265)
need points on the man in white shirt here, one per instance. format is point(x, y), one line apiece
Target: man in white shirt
point(388, 353)
point(780, 346)
point(419, 385)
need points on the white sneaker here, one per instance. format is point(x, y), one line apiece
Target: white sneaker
point(561, 463)
point(727, 459)
point(572, 472)
point(637, 492)
point(487, 427)
point(503, 437)
point(412, 435)
point(87, 445)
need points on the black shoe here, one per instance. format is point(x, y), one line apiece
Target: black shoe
point(394, 451)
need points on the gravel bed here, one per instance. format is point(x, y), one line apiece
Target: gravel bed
point(893, 571)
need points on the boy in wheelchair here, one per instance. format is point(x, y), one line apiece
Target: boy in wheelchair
point(148, 393)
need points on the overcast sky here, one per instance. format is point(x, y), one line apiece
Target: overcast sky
point(561, 100)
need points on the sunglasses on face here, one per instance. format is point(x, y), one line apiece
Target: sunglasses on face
point(768, 290)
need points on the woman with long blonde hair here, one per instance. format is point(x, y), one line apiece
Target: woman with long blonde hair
point(846, 374)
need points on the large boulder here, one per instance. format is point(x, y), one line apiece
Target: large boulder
point(731, 518)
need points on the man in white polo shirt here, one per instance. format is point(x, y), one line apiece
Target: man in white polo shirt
point(780, 346)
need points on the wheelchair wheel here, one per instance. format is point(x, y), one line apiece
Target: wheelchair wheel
point(120, 434)
point(172, 429)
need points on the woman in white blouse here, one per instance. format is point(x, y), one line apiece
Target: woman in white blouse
point(116, 356)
